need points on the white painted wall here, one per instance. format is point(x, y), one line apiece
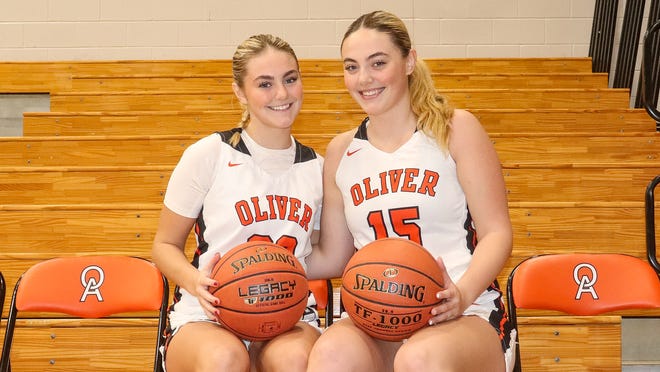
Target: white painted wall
point(56, 30)
point(192, 29)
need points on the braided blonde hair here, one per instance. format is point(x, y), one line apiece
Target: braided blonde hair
point(248, 49)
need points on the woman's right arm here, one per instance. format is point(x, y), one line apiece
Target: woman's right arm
point(335, 247)
point(168, 253)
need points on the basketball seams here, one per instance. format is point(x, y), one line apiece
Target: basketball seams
point(243, 335)
point(389, 304)
point(260, 273)
point(236, 252)
point(231, 253)
point(262, 312)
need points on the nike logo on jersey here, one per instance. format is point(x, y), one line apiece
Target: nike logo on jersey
point(233, 164)
point(349, 152)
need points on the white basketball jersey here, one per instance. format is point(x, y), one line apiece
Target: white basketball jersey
point(235, 201)
point(411, 193)
point(414, 193)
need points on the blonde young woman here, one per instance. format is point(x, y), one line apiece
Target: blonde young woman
point(221, 187)
point(463, 220)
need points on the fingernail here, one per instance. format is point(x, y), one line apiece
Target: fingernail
point(430, 322)
point(216, 302)
point(215, 284)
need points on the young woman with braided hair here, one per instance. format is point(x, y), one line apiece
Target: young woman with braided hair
point(247, 166)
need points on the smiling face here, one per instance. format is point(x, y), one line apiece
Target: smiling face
point(375, 71)
point(272, 90)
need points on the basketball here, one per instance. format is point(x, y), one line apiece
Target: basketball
point(389, 287)
point(262, 289)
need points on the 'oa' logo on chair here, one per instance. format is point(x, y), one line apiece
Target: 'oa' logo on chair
point(585, 275)
point(92, 278)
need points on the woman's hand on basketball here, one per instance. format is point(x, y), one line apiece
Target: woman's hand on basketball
point(204, 281)
point(450, 299)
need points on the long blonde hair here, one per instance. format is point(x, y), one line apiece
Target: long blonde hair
point(431, 108)
point(248, 49)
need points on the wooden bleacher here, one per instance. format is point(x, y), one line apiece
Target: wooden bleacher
point(50, 185)
point(336, 99)
point(610, 120)
point(514, 150)
point(88, 177)
point(320, 81)
point(30, 77)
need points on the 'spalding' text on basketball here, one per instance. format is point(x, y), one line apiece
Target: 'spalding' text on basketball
point(412, 291)
point(256, 258)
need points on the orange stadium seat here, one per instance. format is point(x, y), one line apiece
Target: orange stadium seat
point(89, 287)
point(322, 290)
point(581, 284)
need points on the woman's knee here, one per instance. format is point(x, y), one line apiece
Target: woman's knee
point(325, 348)
point(210, 360)
point(287, 352)
point(345, 348)
point(332, 350)
point(225, 359)
point(200, 347)
point(466, 344)
point(416, 357)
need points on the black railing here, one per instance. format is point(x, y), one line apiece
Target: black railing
point(650, 73)
point(628, 45)
point(602, 34)
point(649, 206)
point(600, 50)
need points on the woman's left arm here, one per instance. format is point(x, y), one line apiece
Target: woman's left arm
point(480, 174)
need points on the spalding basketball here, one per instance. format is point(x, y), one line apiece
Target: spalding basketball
point(262, 289)
point(389, 287)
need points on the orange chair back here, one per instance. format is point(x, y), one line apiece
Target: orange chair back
point(91, 286)
point(320, 290)
point(581, 284)
point(585, 284)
